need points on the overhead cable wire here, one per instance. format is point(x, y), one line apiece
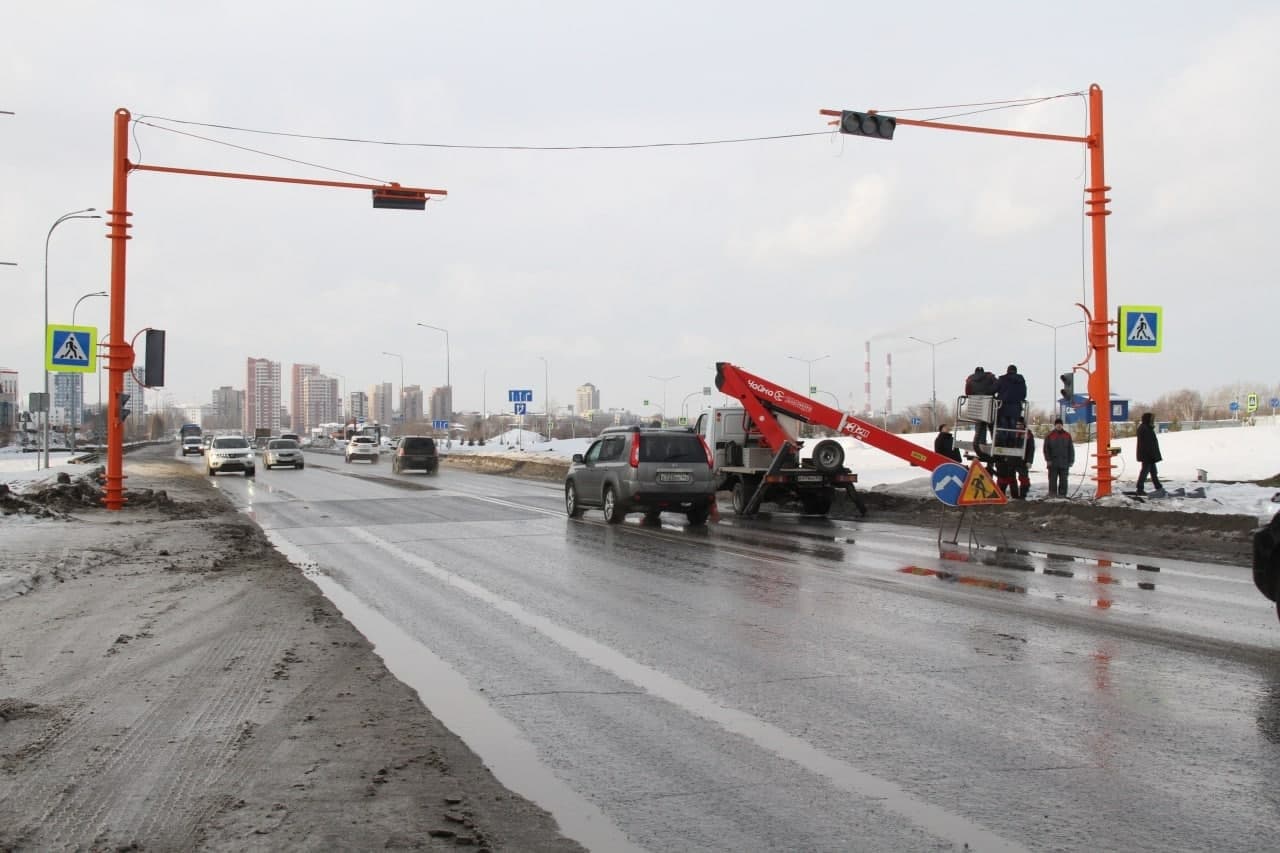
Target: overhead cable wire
point(141, 120)
point(400, 144)
point(988, 106)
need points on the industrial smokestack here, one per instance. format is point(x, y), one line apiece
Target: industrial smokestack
point(888, 384)
point(866, 385)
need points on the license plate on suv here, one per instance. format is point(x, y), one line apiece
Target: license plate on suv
point(674, 477)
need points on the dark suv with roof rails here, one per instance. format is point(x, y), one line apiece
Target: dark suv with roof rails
point(642, 469)
point(415, 453)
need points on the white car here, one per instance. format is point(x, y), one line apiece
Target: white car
point(282, 451)
point(229, 453)
point(362, 447)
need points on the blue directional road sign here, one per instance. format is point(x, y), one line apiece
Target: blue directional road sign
point(520, 408)
point(520, 395)
point(439, 424)
point(948, 482)
point(915, 422)
point(1234, 405)
point(1275, 402)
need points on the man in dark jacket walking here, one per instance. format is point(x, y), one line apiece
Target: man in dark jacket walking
point(1011, 390)
point(1148, 453)
point(1059, 456)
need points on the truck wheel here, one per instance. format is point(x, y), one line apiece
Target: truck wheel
point(828, 456)
point(740, 497)
point(571, 506)
point(613, 513)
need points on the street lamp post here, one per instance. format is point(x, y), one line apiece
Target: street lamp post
point(833, 397)
point(808, 387)
point(933, 374)
point(86, 213)
point(546, 395)
point(401, 357)
point(1055, 350)
point(664, 380)
point(78, 378)
point(809, 364)
point(448, 382)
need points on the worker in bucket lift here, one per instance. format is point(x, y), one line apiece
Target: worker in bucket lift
point(1011, 390)
point(981, 383)
point(1022, 467)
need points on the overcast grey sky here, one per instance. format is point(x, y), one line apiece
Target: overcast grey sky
point(617, 266)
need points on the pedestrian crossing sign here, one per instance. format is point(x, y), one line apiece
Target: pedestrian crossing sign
point(1141, 328)
point(979, 488)
point(71, 349)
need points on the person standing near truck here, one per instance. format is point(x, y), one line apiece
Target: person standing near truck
point(944, 444)
point(1059, 456)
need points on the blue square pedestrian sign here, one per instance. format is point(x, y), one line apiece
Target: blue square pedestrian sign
point(1140, 328)
point(71, 349)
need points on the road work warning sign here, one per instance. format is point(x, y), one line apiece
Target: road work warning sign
point(979, 488)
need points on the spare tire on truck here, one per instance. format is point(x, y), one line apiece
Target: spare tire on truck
point(828, 456)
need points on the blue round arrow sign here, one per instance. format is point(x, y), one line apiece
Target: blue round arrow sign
point(948, 482)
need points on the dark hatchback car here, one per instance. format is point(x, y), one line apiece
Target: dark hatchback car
point(415, 453)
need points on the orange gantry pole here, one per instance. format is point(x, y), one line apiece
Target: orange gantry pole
point(120, 355)
point(1099, 323)
point(1099, 326)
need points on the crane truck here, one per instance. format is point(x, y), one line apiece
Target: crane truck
point(756, 446)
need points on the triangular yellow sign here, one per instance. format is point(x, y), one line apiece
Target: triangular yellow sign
point(979, 488)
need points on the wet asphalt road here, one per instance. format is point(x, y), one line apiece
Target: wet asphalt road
point(803, 686)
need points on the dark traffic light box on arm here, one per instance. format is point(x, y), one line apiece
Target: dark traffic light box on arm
point(122, 400)
point(153, 371)
point(867, 124)
point(395, 198)
point(1068, 386)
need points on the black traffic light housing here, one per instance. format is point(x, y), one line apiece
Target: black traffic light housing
point(1068, 386)
point(122, 399)
point(153, 371)
point(395, 198)
point(867, 124)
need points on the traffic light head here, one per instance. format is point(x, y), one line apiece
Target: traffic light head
point(867, 124)
point(395, 198)
point(1068, 386)
point(122, 399)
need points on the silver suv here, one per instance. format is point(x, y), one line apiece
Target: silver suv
point(229, 453)
point(638, 469)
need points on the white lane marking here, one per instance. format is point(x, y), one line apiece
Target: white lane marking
point(890, 796)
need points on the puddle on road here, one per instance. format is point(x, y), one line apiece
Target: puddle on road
point(467, 714)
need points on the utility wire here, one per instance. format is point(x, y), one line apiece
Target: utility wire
point(141, 120)
point(363, 141)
